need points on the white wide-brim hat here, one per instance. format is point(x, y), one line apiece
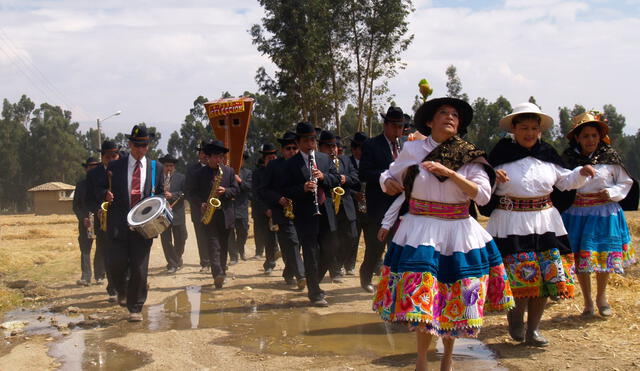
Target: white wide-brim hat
point(546, 121)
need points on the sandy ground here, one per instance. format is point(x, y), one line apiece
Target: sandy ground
point(577, 343)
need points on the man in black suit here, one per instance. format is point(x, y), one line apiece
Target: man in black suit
point(109, 151)
point(293, 272)
point(262, 216)
point(346, 215)
point(240, 232)
point(377, 154)
point(217, 229)
point(360, 202)
point(81, 209)
point(134, 177)
point(307, 180)
point(198, 227)
point(174, 238)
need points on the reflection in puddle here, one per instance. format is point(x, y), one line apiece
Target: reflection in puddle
point(268, 328)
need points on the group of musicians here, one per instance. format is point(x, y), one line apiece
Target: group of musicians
point(309, 206)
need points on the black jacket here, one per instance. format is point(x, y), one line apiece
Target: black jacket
point(176, 187)
point(269, 191)
point(376, 158)
point(241, 202)
point(118, 227)
point(79, 203)
point(95, 177)
point(189, 184)
point(258, 205)
point(203, 181)
point(296, 173)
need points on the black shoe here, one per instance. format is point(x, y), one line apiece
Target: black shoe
point(122, 300)
point(219, 282)
point(82, 283)
point(268, 271)
point(172, 270)
point(322, 303)
point(350, 272)
point(337, 279)
point(536, 339)
point(368, 288)
point(233, 262)
point(302, 283)
point(244, 258)
point(516, 329)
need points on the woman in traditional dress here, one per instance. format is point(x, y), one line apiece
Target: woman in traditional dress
point(525, 225)
point(597, 228)
point(442, 269)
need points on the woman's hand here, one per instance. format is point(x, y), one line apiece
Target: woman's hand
point(437, 168)
point(382, 234)
point(604, 194)
point(393, 187)
point(587, 170)
point(501, 176)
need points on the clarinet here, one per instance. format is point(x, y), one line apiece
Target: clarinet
point(312, 166)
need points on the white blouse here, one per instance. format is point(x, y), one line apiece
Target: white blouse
point(530, 177)
point(427, 186)
point(613, 178)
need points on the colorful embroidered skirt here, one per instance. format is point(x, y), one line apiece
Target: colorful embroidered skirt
point(440, 294)
point(599, 237)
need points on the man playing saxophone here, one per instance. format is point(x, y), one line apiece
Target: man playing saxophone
point(282, 213)
point(174, 238)
point(343, 204)
point(216, 181)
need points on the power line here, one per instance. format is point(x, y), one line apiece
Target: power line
point(35, 85)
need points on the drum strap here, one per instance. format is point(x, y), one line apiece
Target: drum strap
point(153, 177)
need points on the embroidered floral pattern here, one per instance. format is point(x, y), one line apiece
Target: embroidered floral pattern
point(456, 309)
point(604, 261)
point(540, 274)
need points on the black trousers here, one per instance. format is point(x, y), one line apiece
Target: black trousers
point(373, 251)
point(85, 256)
point(217, 243)
point(315, 237)
point(268, 240)
point(102, 250)
point(288, 241)
point(345, 236)
point(238, 238)
point(173, 241)
point(352, 253)
point(201, 241)
point(130, 254)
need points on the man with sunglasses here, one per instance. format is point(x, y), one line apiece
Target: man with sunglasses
point(109, 151)
point(133, 178)
point(293, 273)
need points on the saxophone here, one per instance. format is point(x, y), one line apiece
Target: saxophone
point(338, 191)
point(214, 202)
point(288, 211)
point(104, 207)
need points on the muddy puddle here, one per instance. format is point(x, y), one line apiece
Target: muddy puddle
point(262, 328)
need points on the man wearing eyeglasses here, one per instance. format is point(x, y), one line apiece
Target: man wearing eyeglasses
point(132, 179)
point(293, 273)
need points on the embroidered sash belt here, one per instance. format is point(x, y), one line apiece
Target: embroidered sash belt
point(525, 204)
point(589, 199)
point(439, 209)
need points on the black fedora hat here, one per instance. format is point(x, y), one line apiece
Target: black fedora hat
point(214, 147)
point(426, 111)
point(287, 138)
point(168, 159)
point(394, 115)
point(268, 149)
point(203, 143)
point(109, 146)
point(91, 161)
point(358, 139)
point(140, 134)
point(326, 137)
point(305, 129)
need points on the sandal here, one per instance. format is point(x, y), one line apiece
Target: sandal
point(605, 311)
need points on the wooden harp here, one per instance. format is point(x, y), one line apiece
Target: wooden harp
point(229, 118)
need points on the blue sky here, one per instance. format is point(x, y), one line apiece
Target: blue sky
point(152, 59)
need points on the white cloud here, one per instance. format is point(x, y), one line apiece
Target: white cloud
point(152, 60)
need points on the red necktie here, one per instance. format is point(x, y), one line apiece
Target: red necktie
point(395, 150)
point(135, 185)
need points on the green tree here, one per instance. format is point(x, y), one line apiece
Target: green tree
point(195, 128)
point(484, 130)
point(454, 85)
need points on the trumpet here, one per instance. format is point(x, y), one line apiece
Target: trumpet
point(214, 202)
point(104, 207)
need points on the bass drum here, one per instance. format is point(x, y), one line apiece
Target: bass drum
point(150, 217)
